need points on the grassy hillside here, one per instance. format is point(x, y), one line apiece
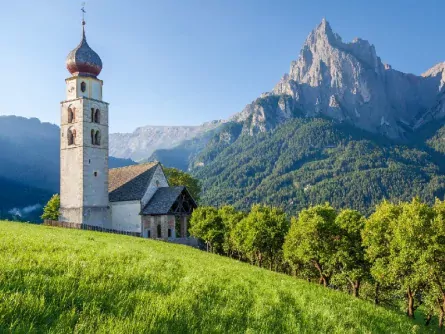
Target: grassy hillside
point(61, 280)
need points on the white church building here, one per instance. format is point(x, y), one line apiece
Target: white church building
point(131, 199)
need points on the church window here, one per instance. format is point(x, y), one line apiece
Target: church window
point(97, 116)
point(159, 231)
point(92, 137)
point(71, 136)
point(83, 86)
point(97, 138)
point(148, 234)
point(71, 116)
point(169, 232)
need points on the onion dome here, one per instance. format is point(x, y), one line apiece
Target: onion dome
point(83, 61)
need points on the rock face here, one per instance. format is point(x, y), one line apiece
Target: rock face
point(141, 143)
point(349, 82)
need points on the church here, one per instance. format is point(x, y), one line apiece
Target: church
point(136, 198)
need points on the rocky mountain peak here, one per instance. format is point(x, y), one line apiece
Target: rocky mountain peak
point(349, 82)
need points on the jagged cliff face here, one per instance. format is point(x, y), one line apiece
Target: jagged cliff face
point(142, 142)
point(349, 82)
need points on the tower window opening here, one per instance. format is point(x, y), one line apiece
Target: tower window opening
point(92, 137)
point(71, 136)
point(95, 173)
point(83, 86)
point(97, 116)
point(71, 116)
point(97, 138)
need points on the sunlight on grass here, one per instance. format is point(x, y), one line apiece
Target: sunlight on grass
point(60, 280)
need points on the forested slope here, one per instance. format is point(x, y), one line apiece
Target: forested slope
point(313, 160)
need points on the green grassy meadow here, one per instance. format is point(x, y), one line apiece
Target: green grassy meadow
point(58, 280)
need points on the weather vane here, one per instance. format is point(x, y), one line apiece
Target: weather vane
point(83, 12)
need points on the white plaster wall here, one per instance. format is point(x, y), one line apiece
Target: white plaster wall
point(71, 157)
point(125, 216)
point(84, 196)
point(152, 187)
point(93, 88)
point(96, 90)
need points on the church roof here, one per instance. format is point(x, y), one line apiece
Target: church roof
point(164, 199)
point(130, 183)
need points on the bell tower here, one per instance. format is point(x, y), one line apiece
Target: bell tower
point(84, 141)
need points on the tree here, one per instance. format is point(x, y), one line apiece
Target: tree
point(177, 177)
point(396, 237)
point(433, 262)
point(350, 253)
point(312, 240)
point(261, 234)
point(206, 224)
point(51, 209)
point(377, 236)
point(230, 219)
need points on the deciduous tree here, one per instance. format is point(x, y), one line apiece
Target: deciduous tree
point(312, 239)
point(51, 209)
point(350, 254)
point(206, 224)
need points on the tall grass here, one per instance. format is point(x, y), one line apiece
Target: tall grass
point(58, 280)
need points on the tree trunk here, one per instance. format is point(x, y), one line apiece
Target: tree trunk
point(442, 312)
point(410, 310)
point(376, 293)
point(260, 260)
point(323, 278)
point(428, 319)
point(356, 288)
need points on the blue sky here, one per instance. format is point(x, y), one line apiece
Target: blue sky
point(186, 62)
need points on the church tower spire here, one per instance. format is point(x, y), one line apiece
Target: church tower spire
point(84, 140)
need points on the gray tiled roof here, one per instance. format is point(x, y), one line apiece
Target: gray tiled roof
point(130, 183)
point(162, 200)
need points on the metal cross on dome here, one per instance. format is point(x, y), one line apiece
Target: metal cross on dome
point(83, 11)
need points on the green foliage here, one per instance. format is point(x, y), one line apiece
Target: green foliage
point(230, 218)
point(312, 240)
point(261, 234)
point(206, 224)
point(402, 243)
point(63, 281)
point(350, 254)
point(312, 161)
point(177, 177)
point(51, 209)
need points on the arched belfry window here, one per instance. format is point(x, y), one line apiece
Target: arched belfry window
point(97, 138)
point(92, 115)
point(71, 136)
point(83, 86)
point(97, 116)
point(92, 137)
point(71, 115)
